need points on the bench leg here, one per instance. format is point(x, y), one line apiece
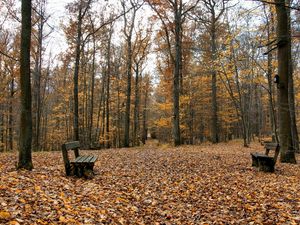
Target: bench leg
point(82, 170)
point(266, 166)
point(254, 161)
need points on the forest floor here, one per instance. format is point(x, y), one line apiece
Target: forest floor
point(206, 184)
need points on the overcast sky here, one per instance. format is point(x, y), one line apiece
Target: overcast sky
point(56, 8)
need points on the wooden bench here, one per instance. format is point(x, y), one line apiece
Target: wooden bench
point(265, 162)
point(81, 165)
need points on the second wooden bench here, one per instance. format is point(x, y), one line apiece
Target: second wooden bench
point(265, 162)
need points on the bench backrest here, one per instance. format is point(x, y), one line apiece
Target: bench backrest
point(273, 146)
point(74, 145)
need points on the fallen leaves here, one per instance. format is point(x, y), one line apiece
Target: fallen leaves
point(4, 215)
point(208, 184)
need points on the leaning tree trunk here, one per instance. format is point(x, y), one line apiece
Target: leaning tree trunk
point(25, 159)
point(284, 44)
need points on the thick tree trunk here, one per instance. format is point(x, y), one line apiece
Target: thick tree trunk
point(294, 130)
point(176, 76)
point(128, 95)
point(75, 78)
point(128, 35)
point(284, 44)
point(25, 159)
point(76, 73)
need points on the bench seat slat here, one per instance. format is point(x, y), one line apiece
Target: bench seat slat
point(88, 159)
point(255, 154)
point(82, 159)
point(85, 159)
point(93, 159)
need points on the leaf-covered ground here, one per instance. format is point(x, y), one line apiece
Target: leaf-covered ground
point(207, 184)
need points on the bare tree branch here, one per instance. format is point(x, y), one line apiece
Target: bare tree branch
point(275, 3)
point(8, 56)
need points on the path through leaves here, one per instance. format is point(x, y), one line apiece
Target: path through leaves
point(208, 184)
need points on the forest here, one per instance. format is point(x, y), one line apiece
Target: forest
point(181, 72)
point(171, 97)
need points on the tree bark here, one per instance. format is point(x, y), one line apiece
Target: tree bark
point(10, 117)
point(108, 141)
point(25, 139)
point(284, 44)
point(92, 91)
point(144, 137)
point(128, 35)
point(214, 118)
point(177, 73)
point(270, 29)
point(76, 72)
point(136, 106)
point(294, 130)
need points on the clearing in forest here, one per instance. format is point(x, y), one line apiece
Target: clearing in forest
point(211, 184)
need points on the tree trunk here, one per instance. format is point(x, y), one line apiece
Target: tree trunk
point(176, 75)
point(144, 137)
point(270, 30)
point(214, 118)
point(284, 44)
point(136, 107)
point(101, 104)
point(36, 120)
point(10, 117)
point(25, 159)
point(128, 97)
point(1, 131)
point(128, 35)
point(294, 130)
point(90, 132)
point(76, 72)
point(108, 141)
